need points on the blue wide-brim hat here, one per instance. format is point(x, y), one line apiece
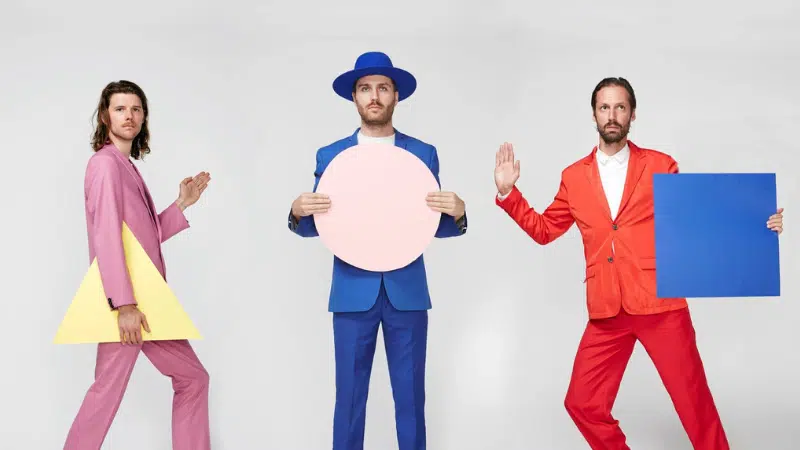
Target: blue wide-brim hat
point(375, 63)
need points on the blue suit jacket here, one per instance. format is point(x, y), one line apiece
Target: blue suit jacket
point(354, 289)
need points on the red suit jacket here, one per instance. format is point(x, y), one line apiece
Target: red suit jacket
point(625, 278)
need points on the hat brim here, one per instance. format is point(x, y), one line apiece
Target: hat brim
point(404, 82)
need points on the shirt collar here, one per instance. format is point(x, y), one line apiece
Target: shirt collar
point(620, 157)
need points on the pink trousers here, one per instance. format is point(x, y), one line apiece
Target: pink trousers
point(115, 362)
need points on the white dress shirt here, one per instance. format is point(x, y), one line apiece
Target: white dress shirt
point(613, 171)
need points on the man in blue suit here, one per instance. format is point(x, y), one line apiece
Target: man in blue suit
point(362, 300)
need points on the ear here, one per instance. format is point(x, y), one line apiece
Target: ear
point(633, 115)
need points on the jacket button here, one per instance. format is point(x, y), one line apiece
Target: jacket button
point(610, 259)
point(614, 226)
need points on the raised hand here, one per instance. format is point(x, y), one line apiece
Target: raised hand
point(775, 221)
point(310, 203)
point(506, 170)
point(446, 202)
point(191, 188)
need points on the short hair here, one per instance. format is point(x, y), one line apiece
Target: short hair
point(614, 81)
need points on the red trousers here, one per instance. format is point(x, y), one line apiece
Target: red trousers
point(603, 354)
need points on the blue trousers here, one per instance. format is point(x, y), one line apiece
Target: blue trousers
point(405, 335)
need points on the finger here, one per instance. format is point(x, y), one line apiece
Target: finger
point(780, 210)
point(145, 324)
point(441, 195)
point(440, 209)
point(124, 337)
point(317, 208)
point(316, 202)
point(497, 157)
point(441, 204)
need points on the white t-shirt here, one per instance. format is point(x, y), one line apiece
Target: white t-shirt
point(362, 139)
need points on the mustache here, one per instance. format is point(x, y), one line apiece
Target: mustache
point(612, 123)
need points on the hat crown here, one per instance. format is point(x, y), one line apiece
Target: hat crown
point(373, 59)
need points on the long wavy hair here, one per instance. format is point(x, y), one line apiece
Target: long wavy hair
point(141, 143)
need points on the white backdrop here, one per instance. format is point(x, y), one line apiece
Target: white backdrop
point(243, 90)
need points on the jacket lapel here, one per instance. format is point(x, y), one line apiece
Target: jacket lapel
point(400, 140)
point(150, 203)
point(133, 172)
point(593, 175)
point(636, 166)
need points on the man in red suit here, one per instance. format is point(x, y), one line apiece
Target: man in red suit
point(609, 195)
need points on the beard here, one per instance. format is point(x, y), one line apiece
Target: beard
point(376, 118)
point(614, 136)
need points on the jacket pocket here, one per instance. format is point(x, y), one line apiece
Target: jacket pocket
point(647, 263)
point(590, 273)
point(647, 278)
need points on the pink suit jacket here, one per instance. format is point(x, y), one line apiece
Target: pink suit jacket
point(115, 192)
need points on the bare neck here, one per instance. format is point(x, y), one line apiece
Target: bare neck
point(612, 149)
point(122, 145)
point(377, 130)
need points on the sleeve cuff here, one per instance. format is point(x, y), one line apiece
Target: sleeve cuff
point(462, 224)
point(502, 200)
point(293, 222)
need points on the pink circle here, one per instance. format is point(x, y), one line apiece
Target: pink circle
point(378, 219)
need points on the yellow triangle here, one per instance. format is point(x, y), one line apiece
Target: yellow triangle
point(89, 318)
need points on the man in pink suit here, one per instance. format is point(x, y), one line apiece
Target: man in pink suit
point(115, 193)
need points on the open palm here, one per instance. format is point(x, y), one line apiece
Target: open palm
point(506, 170)
point(192, 187)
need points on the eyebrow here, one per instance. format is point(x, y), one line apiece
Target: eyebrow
point(382, 83)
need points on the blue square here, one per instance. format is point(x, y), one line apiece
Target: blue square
point(711, 235)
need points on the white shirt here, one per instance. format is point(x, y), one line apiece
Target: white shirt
point(362, 139)
point(613, 171)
